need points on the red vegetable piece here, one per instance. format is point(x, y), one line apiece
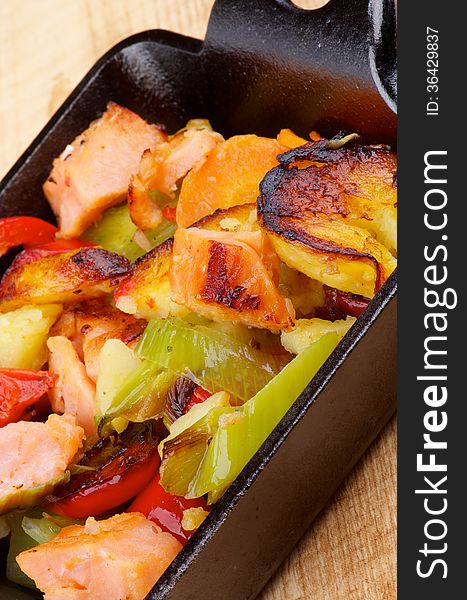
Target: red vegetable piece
point(26, 231)
point(127, 466)
point(165, 509)
point(169, 213)
point(349, 304)
point(198, 397)
point(19, 390)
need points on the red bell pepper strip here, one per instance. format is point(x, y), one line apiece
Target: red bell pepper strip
point(24, 231)
point(128, 470)
point(19, 390)
point(198, 397)
point(165, 509)
point(346, 302)
point(169, 213)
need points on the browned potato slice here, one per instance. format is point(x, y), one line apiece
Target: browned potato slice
point(236, 218)
point(330, 210)
point(147, 294)
point(339, 255)
point(65, 278)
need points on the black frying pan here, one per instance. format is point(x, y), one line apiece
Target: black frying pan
point(265, 65)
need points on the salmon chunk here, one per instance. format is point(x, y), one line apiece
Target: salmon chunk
point(93, 172)
point(229, 276)
point(162, 169)
point(74, 392)
point(34, 458)
point(90, 324)
point(120, 558)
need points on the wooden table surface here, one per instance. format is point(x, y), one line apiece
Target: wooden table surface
point(46, 46)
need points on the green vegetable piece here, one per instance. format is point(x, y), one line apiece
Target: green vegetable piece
point(19, 542)
point(46, 526)
point(115, 232)
point(234, 436)
point(28, 529)
point(183, 455)
point(217, 360)
point(40, 530)
point(141, 396)
point(116, 363)
point(26, 497)
point(23, 336)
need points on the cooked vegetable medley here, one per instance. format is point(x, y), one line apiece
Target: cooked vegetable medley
point(151, 343)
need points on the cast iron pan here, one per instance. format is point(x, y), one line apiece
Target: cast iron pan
point(265, 65)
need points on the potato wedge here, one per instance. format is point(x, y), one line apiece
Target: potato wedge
point(23, 335)
point(62, 278)
point(309, 331)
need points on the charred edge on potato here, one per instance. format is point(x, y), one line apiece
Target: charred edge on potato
point(289, 229)
point(213, 220)
point(97, 264)
point(161, 253)
point(325, 151)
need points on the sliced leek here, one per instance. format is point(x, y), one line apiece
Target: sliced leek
point(116, 232)
point(208, 456)
point(216, 360)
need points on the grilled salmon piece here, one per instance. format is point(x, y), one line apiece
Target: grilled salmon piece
point(67, 277)
point(162, 168)
point(330, 209)
point(90, 324)
point(147, 293)
point(94, 171)
point(74, 392)
point(228, 177)
point(229, 276)
point(119, 558)
point(34, 458)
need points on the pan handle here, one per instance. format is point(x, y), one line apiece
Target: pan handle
point(355, 39)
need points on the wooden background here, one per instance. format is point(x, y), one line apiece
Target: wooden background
point(46, 46)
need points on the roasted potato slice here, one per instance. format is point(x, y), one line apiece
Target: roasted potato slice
point(62, 278)
point(309, 331)
point(236, 218)
point(147, 293)
point(307, 295)
point(329, 208)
